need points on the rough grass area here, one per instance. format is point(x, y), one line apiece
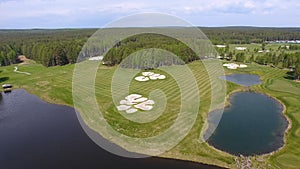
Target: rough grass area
point(54, 85)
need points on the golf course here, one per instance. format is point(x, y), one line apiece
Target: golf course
point(54, 85)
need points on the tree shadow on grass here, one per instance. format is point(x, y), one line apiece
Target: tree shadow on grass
point(3, 79)
point(290, 76)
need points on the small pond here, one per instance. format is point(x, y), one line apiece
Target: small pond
point(252, 125)
point(243, 79)
point(36, 134)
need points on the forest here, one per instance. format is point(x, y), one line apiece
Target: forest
point(247, 35)
point(151, 58)
point(62, 46)
point(48, 47)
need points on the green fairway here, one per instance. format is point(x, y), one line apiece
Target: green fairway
point(54, 85)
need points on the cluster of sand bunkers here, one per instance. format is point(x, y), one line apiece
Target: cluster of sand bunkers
point(133, 102)
point(149, 76)
point(234, 65)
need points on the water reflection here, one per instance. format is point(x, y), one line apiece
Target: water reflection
point(35, 134)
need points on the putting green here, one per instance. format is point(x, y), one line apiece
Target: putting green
point(284, 86)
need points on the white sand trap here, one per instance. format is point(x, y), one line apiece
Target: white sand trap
point(243, 66)
point(231, 65)
point(156, 76)
point(133, 102)
point(161, 77)
point(149, 76)
point(143, 106)
point(147, 73)
point(96, 58)
point(126, 102)
point(153, 77)
point(139, 100)
point(133, 96)
point(149, 102)
point(221, 46)
point(141, 78)
point(132, 110)
point(123, 107)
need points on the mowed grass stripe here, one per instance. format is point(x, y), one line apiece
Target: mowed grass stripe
point(58, 90)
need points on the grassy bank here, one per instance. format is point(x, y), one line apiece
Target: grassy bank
point(287, 92)
point(54, 85)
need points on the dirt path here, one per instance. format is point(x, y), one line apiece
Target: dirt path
point(16, 70)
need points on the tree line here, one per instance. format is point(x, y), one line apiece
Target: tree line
point(60, 47)
point(154, 56)
point(247, 35)
point(282, 57)
point(48, 47)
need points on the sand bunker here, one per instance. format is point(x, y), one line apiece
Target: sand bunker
point(149, 76)
point(147, 73)
point(243, 66)
point(234, 65)
point(96, 58)
point(141, 78)
point(24, 60)
point(123, 107)
point(133, 102)
point(145, 105)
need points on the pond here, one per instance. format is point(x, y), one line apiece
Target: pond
point(36, 134)
point(252, 125)
point(243, 79)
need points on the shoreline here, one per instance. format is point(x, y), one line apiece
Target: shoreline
point(289, 121)
point(51, 101)
point(283, 113)
point(227, 103)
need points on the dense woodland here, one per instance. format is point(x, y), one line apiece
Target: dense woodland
point(48, 47)
point(246, 35)
point(60, 47)
point(151, 58)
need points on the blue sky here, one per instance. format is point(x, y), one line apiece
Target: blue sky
point(97, 13)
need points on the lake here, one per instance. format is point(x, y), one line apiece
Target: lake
point(36, 134)
point(252, 125)
point(243, 79)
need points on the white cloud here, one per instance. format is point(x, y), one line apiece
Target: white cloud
point(71, 11)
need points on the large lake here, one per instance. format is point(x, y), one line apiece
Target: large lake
point(38, 135)
point(252, 124)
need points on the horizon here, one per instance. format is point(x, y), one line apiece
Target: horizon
point(78, 28)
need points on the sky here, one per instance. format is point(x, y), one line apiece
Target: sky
point(23, 14)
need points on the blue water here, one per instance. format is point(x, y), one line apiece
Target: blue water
point(243, 79)
point(252, 124)
point(38, 135)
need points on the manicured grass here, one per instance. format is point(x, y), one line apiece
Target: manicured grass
point(284, 86)
point(273, 49)
point(288, 92)
point(54, 85)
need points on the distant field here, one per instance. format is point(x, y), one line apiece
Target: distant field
point(54, 85)
point(252, 49)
